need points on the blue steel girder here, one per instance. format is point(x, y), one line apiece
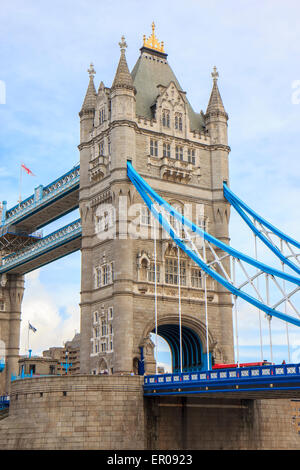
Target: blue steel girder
point(58, 244)
point(268, 381)
point(46, 204)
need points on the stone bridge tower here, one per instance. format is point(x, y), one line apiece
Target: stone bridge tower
point(146, 117)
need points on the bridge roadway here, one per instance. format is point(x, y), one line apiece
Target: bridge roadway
point(46, 204)
point(58, 244)
point(262, 382)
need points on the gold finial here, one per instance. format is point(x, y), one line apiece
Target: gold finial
point(123, 44)
point(215, 74)
point(91, 71)
point(152, 41)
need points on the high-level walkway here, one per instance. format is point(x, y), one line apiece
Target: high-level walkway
point(22, 248)
point(46, 204)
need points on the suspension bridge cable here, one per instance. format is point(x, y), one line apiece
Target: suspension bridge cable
point(155, 300)
point(206, 309)
point(179, 307)
point(239, 206)
point(143, 189)
point(268, 316)
point(259, 311)
point(285, 311)
point(235, 316)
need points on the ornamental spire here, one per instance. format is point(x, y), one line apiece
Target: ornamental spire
point(123, 78)
point(215, 101)
point(152, 41)
point(90, 97)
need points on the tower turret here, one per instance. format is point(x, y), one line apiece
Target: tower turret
point(216, 117)
point(122, 113)
point(87, 112)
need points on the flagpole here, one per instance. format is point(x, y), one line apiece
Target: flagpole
point(20, 186)
point(28, 336)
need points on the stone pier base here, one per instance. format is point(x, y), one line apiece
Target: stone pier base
point(110, 413)
point(75, 412)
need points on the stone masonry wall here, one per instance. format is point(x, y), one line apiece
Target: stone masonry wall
point(218, 424)
point(109, 412)
point(94, 412)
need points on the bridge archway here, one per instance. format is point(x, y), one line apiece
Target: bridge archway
point(192, 354)
point(194, 349)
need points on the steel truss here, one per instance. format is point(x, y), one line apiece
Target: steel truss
point(223, 263)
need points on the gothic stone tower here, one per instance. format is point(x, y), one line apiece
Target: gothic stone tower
point(145, 117)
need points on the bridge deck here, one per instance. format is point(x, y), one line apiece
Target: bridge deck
point(50, 248)
point(273, 381)
point(46, 204)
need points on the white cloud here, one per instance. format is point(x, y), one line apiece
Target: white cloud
point(42, 309)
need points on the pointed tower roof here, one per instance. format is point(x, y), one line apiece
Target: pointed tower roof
point(215, 101)
point(151, 70)
point(123, 78)
point(90, 97)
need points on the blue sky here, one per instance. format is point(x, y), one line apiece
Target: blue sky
point(46, 50)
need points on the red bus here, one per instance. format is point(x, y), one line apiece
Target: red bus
point(244, 364)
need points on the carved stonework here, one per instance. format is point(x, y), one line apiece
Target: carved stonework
point(98, 168)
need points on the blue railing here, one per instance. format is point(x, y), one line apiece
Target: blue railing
point(61, 236)
point(4, 402)
point(236, 376)
point(42, 195)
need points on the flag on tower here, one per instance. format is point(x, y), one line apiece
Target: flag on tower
point(29, 172)
point(31, 327)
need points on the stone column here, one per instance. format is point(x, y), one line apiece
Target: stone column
point(12, 290)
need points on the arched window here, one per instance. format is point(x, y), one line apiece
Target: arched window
point(166, 150)
point(178, 121)
point(166, 118)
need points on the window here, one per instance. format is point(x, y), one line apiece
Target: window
point(2, 306)
point(104, 328)
point(103, 347)
point(171, 273)
point(166, 150)
point(96, 347)
point(202, 222)
point(101, 116)
point(175, 223)
point(105, 274)
point(96, 317)
point(151, 273)
point(112, 272)
point(110, 313)
point(99, 276)
point(179, 152)
point(105, 220)
point(153, 148)
point(196, 277)
point(191, 156)
point(166, 118)
point(145, 216)
point(178, 121)
point(101, 148)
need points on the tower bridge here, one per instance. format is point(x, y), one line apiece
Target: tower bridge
point(145, 156)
